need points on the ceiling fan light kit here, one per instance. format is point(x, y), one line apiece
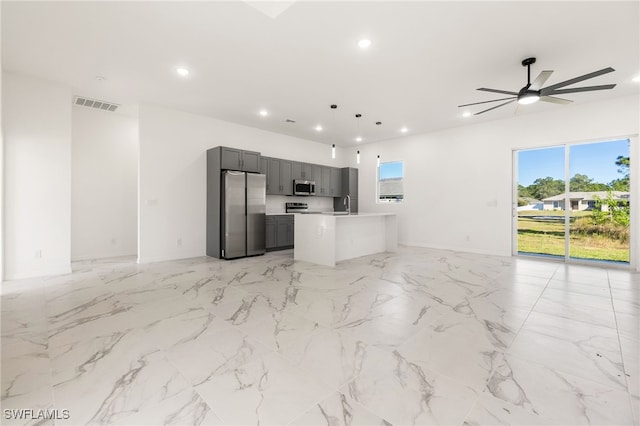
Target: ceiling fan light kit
point(534, 92)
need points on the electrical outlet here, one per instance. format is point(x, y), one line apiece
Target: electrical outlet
point(114, 241)
point(179, 241)
point(39, 254)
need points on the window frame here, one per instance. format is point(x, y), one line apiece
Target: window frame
point(393, 200)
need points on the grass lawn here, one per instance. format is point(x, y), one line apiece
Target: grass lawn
point(542, 236)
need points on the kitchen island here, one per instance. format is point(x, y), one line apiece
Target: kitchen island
point(329, 238)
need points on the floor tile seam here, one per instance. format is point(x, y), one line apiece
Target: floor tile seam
point(317, 403)
point(374, 412)
point(49, 380)
point(298, 372)
point(622, 388)
point(517, 333)
point(191, 387)
point(586, 321)
point(622, 357)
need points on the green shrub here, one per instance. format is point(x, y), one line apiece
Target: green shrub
point(608, 229)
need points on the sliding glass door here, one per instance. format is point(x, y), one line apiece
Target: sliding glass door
point(541, 186)
point(573, 201)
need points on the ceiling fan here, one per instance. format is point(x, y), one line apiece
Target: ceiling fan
point(534, 91)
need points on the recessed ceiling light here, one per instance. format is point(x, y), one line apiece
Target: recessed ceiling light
point(318, 128)
point(636, 79)
point(182, 71)
point(364, 43)
point(466, 114)
point(358, 139)
point(404, 130)
point(263, 113)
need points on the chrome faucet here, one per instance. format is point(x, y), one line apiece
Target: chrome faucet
point(347, 203)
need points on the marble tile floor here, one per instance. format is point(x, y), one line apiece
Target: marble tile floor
point(417, 337)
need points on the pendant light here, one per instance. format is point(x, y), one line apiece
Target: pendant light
point(378, 123)
point(358, 138)
point(333, 120)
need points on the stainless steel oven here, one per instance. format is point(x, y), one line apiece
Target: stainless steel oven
point(304, 187)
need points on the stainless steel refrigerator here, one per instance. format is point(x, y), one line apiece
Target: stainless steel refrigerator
point(243, 214)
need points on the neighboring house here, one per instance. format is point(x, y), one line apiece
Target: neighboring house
point(582, 200)
point(532, 204)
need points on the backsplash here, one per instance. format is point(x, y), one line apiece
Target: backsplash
point(275, 203)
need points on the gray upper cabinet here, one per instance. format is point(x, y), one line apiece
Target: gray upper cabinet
point(279, 177)
point(325, 187)
point(330, 181)
point(264, 165)
point(286, 177)
point(264, 169)
point(273, 177)
point(237, 159)
point(316, 175)
point(302, 171)
point(336, 182)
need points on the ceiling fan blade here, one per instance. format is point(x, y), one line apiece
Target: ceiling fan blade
point(485, 102)
point(504, 92)
point(545, 92)
point(555, 100)
point(578, 79)
point(540, 80)
point(498, 106)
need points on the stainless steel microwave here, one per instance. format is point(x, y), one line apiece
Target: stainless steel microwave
point(304, 187)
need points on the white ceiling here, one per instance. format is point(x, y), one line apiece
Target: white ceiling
point(296, 58)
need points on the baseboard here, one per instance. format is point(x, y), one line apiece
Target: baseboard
point(49, 272)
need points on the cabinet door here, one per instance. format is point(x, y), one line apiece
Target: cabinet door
point(264, 169)
point(286, 179)
point(326, 182)
point(250, 161)
point(353, 182)
point(282, 238)
point(316, 175)
point(307, 171)
point(296, 170)
point(271, 240)
point(336, 182)
point(354, 205)
point(231, 159)
point(273, 178)
point(290, 236)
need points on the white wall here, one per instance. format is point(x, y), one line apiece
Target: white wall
point(37, 137)
point(104, 184)
point(173, 175)
point(458, 182)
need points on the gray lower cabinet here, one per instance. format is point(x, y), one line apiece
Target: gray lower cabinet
point(279, 232)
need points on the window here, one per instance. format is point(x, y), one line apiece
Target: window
point(391, 182)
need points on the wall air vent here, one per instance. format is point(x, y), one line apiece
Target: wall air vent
point(92, 103)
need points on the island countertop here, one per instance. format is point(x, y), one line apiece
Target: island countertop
point(328, 238)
